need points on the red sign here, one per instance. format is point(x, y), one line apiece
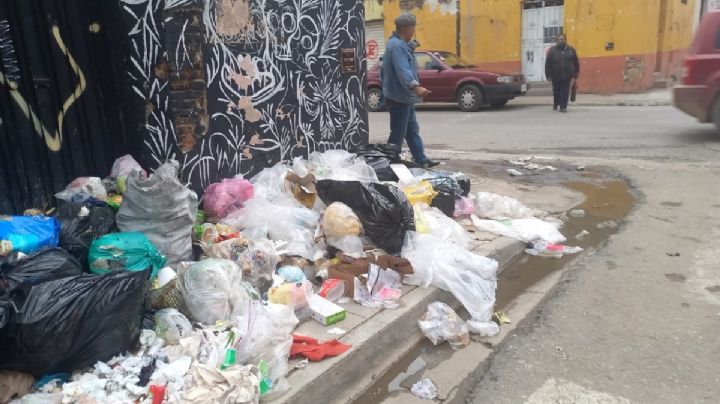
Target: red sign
point(372, 48)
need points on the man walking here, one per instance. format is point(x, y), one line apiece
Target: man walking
point(401, 89)
point(562, 67)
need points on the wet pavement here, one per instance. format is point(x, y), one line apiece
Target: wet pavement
point(609, 199)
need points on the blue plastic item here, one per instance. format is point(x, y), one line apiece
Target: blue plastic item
point(291, 274)
point(28, 234)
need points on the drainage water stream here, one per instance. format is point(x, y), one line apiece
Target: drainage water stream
point(605, 206)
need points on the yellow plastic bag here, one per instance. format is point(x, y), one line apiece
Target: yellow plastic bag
point(421, 192)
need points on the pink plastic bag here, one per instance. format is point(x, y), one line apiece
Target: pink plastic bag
point(222, 198)
point(463, 207)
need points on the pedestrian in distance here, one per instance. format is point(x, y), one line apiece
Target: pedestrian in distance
point(402, 89)
point(562, 67)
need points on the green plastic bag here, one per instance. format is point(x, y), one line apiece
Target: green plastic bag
point(124, 252)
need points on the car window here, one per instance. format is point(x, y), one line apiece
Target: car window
point(453, 60)
point(425, 61)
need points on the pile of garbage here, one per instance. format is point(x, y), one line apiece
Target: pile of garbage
point(134, 290)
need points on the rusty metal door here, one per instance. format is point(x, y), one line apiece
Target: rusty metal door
point(60, 69)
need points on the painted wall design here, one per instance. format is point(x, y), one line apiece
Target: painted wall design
point(232, 86)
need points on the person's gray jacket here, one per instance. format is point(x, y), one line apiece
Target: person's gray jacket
point(562, 63)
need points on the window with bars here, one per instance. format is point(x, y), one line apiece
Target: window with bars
point(550, 34)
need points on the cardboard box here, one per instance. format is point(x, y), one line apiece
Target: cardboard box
point(325, 311)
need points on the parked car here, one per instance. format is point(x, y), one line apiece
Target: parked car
point(452, 79)
point(698, 95)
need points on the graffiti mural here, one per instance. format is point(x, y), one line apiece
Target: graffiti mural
point(273, 84)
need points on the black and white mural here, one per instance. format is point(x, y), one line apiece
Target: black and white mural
point(232, 86)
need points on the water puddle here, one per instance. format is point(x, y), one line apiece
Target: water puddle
point(606, 204)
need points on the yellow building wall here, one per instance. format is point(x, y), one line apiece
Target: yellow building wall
point(436, 30)
point(490, 33)
point(677, 30)
point(373, 10)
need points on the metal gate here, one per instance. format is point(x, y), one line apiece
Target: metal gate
point(60, 68)
point(543, 21)
point(374, 41)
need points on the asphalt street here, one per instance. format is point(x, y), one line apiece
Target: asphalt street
point(637, 320)
point(656, 133)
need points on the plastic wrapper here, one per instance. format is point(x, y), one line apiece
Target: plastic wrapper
point(440, 323)
point(258, 263)
point(264, 337)
point(163, 209)
point(81, 225)
point(283, 219)
point(541, 248)
point(483, 328)
point(526, 230)
point(456, 184)
point(269, 184)
point(229, 195)
point(171, 325)
point(382, 289)
point(27, 233)
point(469, 277)
point(71, 323)
point(83, 189)
point(124, 252)
point(421, 192)
point(339, 165)
point(432, 221)
point(122, 168)
point(291, 274)
point(498, 207)
point(339, 221)
point(210, 289)
point(384, 211)
point(350, 245)
point(302, 188)
point(464, 206)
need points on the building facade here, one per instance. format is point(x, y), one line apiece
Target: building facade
point(624, 46)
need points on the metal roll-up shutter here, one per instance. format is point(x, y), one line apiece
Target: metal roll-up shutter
point(374, 41)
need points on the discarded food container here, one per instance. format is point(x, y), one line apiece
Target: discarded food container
point(325, 311)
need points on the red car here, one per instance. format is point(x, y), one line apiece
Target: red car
point(452, 79)
point(699, 93)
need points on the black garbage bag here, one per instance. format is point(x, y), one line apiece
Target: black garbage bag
point(78, 230)
point(384, 210)
point(38, 267)
point(456, 184)
point(380, 156)
point(71, 323)
point(17, 276)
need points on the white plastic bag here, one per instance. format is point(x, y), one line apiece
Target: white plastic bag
point(82, 189)
point(210, 288)
point(434, 222)
point(382, 290)
point(483, 328)
point(440, 323)
point(350, 245)
point(526, 230)
point(126, 165)
point(469, 277)
point(171, 325)
point(498, 207)
point(340, 165)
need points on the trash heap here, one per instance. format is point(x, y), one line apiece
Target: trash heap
point(133, 290)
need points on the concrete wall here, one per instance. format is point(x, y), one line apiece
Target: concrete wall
point(622, 44)
point(373, 10)
point(437, 19)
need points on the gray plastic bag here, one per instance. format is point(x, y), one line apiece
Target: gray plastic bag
point(163, 209)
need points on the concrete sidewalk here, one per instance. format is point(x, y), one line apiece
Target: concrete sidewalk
point(381, 337)
point(651, 98)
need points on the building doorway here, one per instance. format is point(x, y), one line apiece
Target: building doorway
point(543, 21)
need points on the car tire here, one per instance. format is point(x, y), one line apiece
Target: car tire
point(499, 103)
point(470, 98)
point(716, 113)
point(374, 99)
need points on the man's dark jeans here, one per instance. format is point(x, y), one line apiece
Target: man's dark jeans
point(561, 92)
point(404, 127)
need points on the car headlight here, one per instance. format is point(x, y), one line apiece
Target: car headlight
point(505, 79)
